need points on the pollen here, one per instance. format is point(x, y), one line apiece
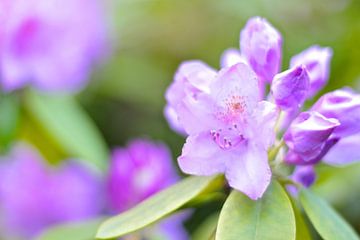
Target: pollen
point(235, 105)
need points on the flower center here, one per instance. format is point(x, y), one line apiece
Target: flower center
point(233, 109)
point(227, 138)
point(235, 105)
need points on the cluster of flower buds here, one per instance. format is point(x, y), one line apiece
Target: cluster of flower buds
point(232, 125)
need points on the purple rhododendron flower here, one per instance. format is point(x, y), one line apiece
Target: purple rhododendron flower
point(230, 129)
point(307, 137)
point(137, 172)
point(227, 131)
point(261, 45)
point(34, 196)
point(317, 62)
point(289, 88)
point(49, 44)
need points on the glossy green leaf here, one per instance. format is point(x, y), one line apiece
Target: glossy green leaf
point(270, 218)
point(329, 224)
point(154, 208)
point(72, 231)
point(65, 122)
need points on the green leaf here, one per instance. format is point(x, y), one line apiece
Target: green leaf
point(302, 230)
point(72, 231)
point(67, 124)
point(9, 119)
point(207, 228)
point(154, 208)
point(329, 224)
point(270, 217)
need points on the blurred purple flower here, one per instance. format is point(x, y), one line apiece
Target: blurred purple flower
point(191, 78)
point(317, 62)
point(308, 138)
point(50, 44)
point(34, 196)
point(227, 130)
point(138, 171)
point(346, 151)
point(172, 227)
point(289, 88)
point(261, 45)
point(305, 175)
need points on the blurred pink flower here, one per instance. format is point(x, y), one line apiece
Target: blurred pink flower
point(50, 45)
point(138, 171)
point(34, 196)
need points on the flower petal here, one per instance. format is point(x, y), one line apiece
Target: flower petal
point(346, 151)
point(305, 175)
point(201, 156)
point(317, 62)
point(173, 120)
point(197, 115)
point(307, 135)
point(289, 88)
point(235, 92)
point(265, 117)
point(231, 57)
point(344, 105)
point(191, 79)
point(248, 171)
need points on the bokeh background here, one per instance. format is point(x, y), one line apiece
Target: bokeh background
point(150, 38)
